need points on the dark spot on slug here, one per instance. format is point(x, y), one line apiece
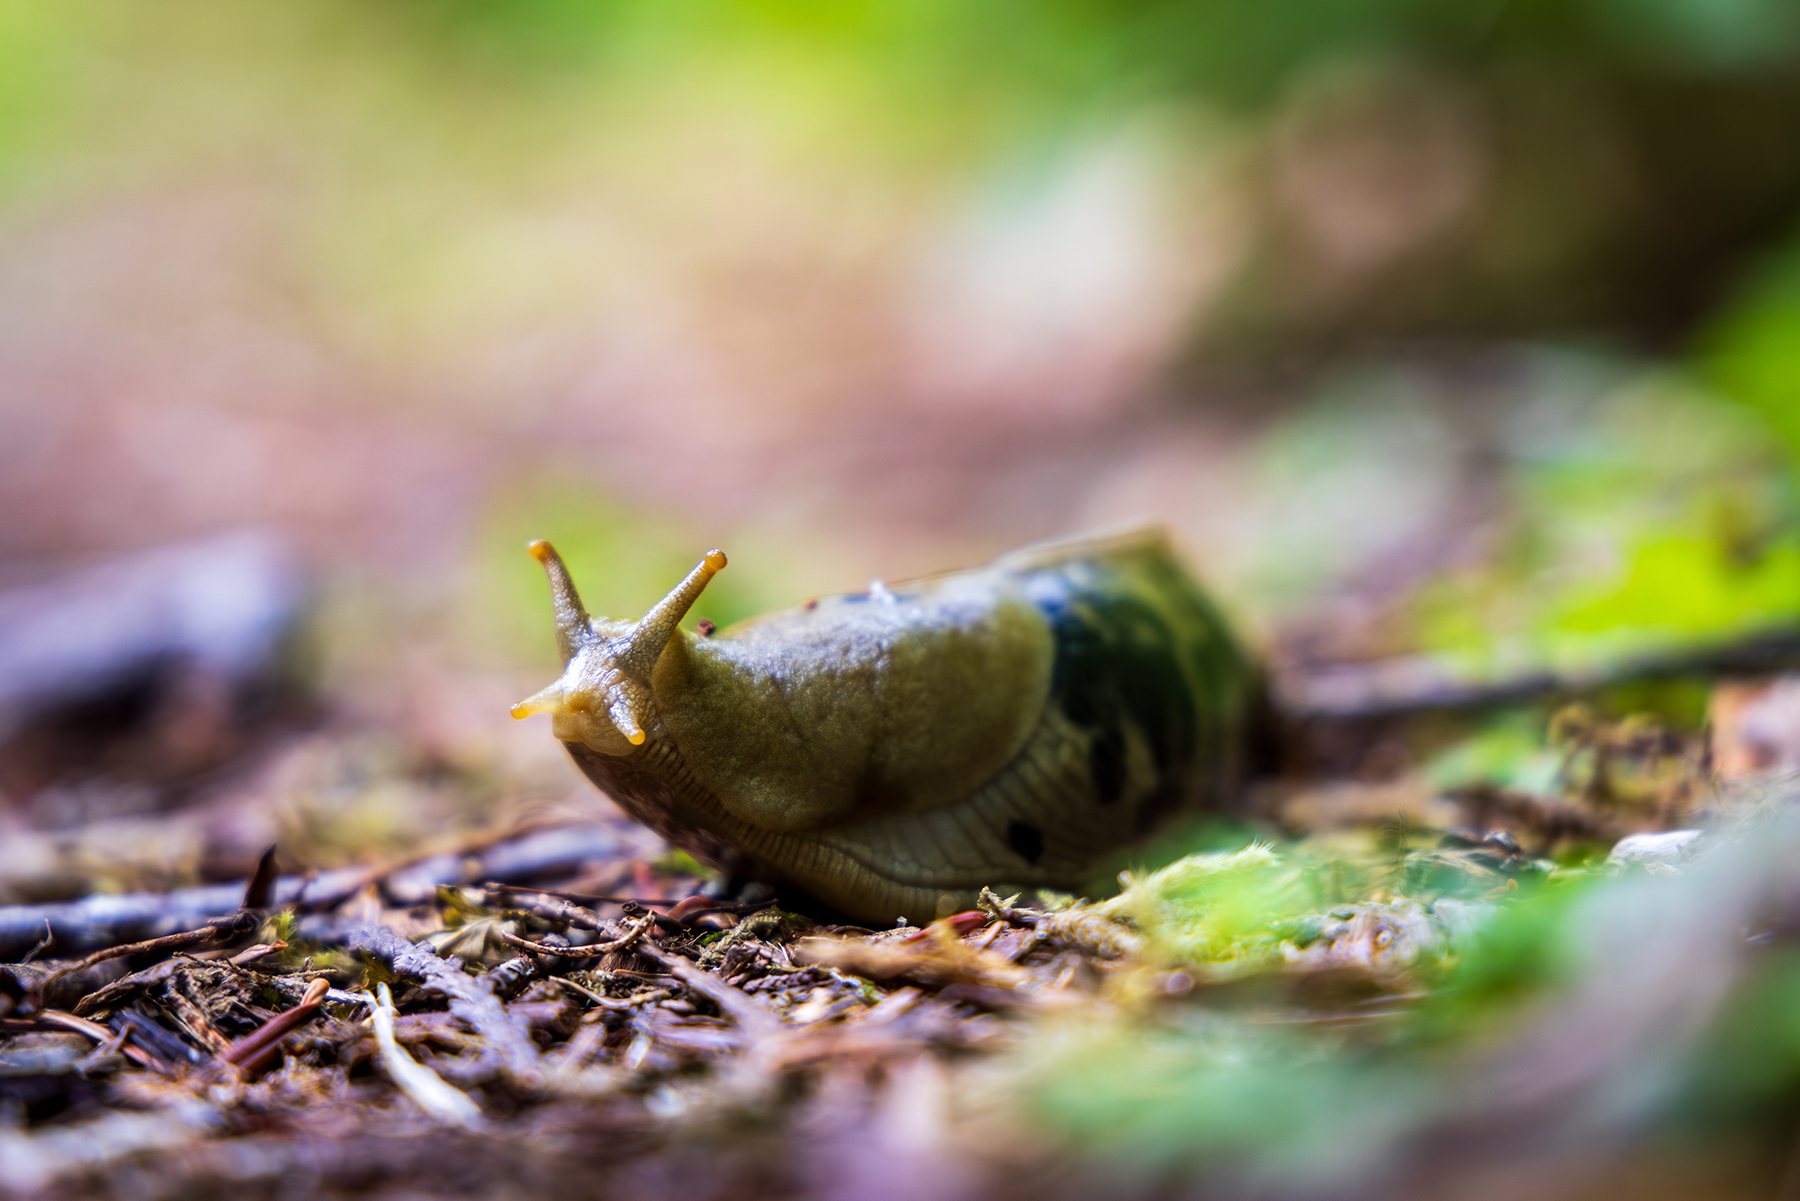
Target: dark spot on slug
point(810, 605)
point(1026, 840)
point(705, 628)
point(1106, 764)
point(1138, 648)
point(1118, 660)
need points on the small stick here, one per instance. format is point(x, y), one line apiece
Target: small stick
point(222, 928)
point(261, 889)
point(42, 943)
point(100, 1034)
point(617, 1003)
point(256, 1050)
point(430, 1091)
point(252, 954)
point(632, 936)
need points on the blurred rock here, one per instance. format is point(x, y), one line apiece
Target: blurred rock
point(147, 667)
point(1668, 847)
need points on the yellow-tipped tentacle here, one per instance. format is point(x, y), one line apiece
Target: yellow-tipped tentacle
point(655, 628)
point(572, 629)
point(624, 720)
point(549, 700)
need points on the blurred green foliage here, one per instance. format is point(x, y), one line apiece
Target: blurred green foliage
point(1211, 906)
point(1508, 751)
point(1217, 46)
point(1624, 995)
point(1750, 1068)
point(1299, 1100)
point(1657, 516)
point(1753, 349)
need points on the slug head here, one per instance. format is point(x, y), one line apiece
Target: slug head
point(603, 698)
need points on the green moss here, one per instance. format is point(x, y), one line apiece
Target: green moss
point(680, 863)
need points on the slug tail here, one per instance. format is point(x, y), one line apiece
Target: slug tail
point(572, 627)
point(654, 630)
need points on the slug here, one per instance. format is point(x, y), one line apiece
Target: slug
point(893, 751)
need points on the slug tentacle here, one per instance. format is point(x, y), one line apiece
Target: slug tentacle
point(653, 630)
point(546, 700)
point(572, 628)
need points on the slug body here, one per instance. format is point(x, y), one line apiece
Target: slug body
point(892, 752)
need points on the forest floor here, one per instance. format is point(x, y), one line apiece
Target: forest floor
point(1364, 985)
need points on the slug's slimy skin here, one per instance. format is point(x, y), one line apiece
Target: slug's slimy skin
point(892, 752)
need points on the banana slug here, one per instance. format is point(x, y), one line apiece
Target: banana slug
point(893, 751)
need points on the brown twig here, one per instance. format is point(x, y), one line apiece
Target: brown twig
point(636, 1000)
point(254, 1052)
point(632, 935)
point(261, 888)
point(41, 944)
point(549, 907)
point(100, 1034)
point(216, 931)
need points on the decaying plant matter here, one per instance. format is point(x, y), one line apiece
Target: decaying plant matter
point(1361, 1008)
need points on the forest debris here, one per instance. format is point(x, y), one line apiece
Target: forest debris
point(511, 978)
point(548, 906)
point(504, 1039)
point(753, 1018)
point(634, 931)
point(30, 1162)
point(216, 931)
point(255, 1051)
point(64, 988)
point(104, 920)
point(251, 954)
point(95, 1031)
point(686, 1029)
point(125, 989)
point(1003, 909)
point(934, 961)
point(429, 1091)
point(1095, 932)
point(763, 924)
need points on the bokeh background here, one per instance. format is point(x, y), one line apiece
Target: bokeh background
point(1443, 332)
point(1456, 342)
